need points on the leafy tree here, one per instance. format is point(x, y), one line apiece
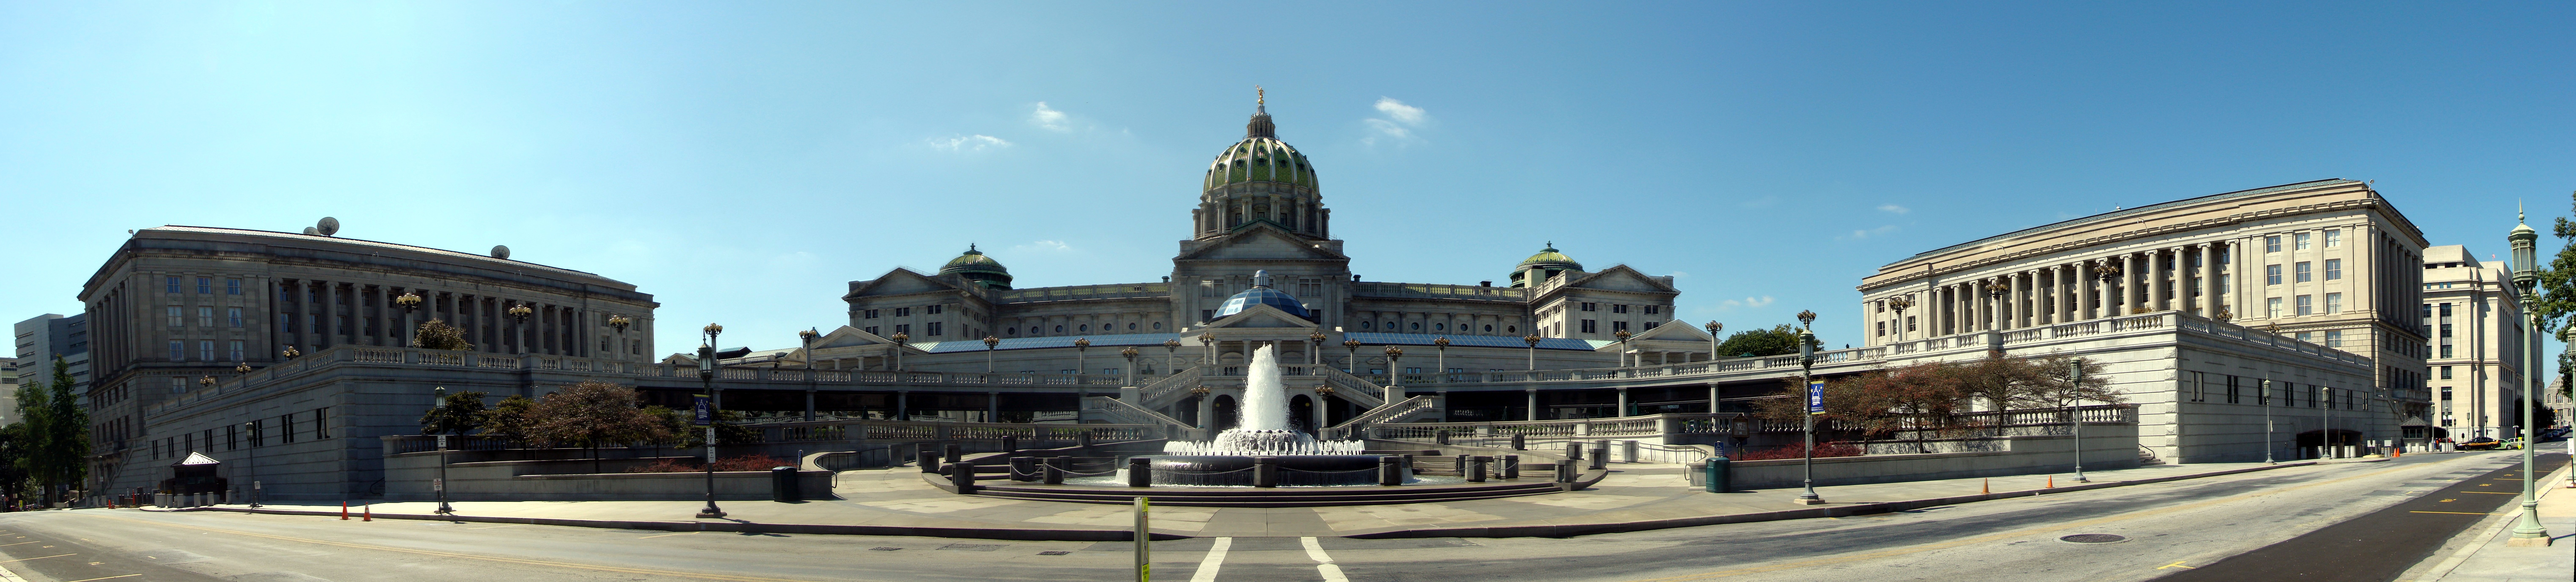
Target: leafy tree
point(461, 413)
point(730, 430)
point(1780, 340)
point(13, 456)
point(438, 335)
point(591, 414)
point(513, 418)
point(56, 432)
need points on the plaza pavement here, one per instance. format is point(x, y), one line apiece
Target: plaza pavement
point(2486, 558)
point(1634, 497)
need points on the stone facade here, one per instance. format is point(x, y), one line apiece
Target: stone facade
point(2473, 318)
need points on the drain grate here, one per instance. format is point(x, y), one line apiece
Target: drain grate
point(2093, 539)
point(884, 549)
point(1053, 553)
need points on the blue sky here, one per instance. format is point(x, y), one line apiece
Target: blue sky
point(744, 163)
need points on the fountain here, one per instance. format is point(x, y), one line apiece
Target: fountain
point(1263, 431)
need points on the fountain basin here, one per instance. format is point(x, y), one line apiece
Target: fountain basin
point(1236, 471)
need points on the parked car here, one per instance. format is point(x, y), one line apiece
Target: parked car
point(2480, 444)
point(2514, 443)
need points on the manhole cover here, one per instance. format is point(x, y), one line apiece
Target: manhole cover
point(1053, 553)
point(2093, 539)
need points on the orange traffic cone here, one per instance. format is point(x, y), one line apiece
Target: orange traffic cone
point(1987, 488)
point(367, 512)
point(344, 511)
point(2052, 481)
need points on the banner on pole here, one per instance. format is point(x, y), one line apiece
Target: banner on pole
point(1816, 397)
point(705, 412)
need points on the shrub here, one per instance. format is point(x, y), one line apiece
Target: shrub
point(739, 463)
point(664, 466)
point(1796, 451)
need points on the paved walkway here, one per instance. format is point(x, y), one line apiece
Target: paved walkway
point(2489, 560)
point(1634, 497)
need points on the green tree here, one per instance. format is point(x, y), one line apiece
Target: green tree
point(514, 417)
point(1780, 340)
point(438, 335)
point(13, 456)
point(592, 414)
point(56, 432)
point(461, 413)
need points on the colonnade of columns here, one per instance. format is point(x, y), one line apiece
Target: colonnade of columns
point(2189, 278)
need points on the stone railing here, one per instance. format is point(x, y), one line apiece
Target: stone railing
point(1431, 291)
point(1125, 413)
point(1038, 294)
point(1660, 426)
point(1381, 414)
point(1170, 389)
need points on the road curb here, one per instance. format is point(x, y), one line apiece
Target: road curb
point(1571, 530)
point(992, 533)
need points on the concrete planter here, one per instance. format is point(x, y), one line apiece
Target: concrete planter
point(408, 476)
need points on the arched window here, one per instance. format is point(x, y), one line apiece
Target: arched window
point(1059, 329)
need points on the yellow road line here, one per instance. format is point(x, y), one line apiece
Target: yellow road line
point(2005, 535)
point(572, 565)
point(2176, 564)
point(39, 557)
point(33, 542)
point(2490, 492)
point(107, 578)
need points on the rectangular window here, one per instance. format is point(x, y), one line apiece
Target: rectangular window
point(2300, 240)
point(1654, 309)
point(2334, 339)
point(178, 317)
point(2198, 391)
point(236, 352)
point(872, 330)
point(905, 329)
point(1882, 307)
point(2446, 350)
point(635, 346)
point(903, 312)
point(931, 310)
point(869, 314)
point(171, 284)
point(1310, 287)
point(1618, 326)
point(205, 285)
point(1588, 307)
point(2334, 269)
point(232, 286)
point(232, 436)
point(206, 350)
point(259, 437)
point(2235, 392)
point(2334, 303)
point(2271, 274)
point(178, 385)
point(1909, 323)
point(1207, 288)
point(2304, 306)
point(321, 428)
point(2272, 244)
point(2309, 337)
point(205, 316)
point(2303, 275)
point(1588, 327)
point(1617, 308)
point(2334, 238)
point(2272, 308)
point(933, 328)
point(1882, 328)
point(2446, 330)
point(285, 428)
point(178, 351)
point(2446, 375)
point(232, 316)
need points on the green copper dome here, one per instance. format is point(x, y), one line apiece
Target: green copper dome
point(983, 270)
point(1260, 157)
point(1547, 263)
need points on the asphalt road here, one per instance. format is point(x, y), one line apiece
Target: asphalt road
point(2178, 528)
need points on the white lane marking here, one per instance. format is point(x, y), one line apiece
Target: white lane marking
point(1332, 572)
point(1215, 559)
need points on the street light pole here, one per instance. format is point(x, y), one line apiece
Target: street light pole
point(1394, 374)
point(707, 366)
point(1807, 379)
point(1080, 346)
point(1130, 354)
point(707, 383)
point(1315, 351)
point(2527, 530)
point(1351, 364)
point(1440, 358)
point(440, 393)
point(807, 339)
point(2075, 426)
point(990, 342)
point(250, 459)
point(901, 340)
point(1623, 346)
point(519, 317)
point(409, 301)
point(2265, 398)
point(1532, 340)
point(1713, 327)
point(1900, 304)
point(1172, 355)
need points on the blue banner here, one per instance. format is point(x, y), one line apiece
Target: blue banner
point(1816, 397)
point(705, 414)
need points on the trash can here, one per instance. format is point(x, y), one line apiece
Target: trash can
point(1717, 479)
point(782, 485)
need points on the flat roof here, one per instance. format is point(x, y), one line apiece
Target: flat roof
point(2126, 212)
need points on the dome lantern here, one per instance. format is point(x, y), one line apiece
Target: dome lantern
point(978, 269)
point(1546, 264)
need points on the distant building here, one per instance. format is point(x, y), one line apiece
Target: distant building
point(43, 337)
point(2472, 315)
point(8, 390)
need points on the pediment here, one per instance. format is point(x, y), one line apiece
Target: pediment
point(900, 281)
point(1261, 241)
point(1261, 317)
point(850, 340)
point(1624, 278)
point(1674, 331)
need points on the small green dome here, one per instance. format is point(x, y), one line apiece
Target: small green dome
point(1547, 263)
point(974, 266)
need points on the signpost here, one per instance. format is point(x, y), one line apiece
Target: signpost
point(705, 416)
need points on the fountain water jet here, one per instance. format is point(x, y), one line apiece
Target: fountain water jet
point(1263, 431)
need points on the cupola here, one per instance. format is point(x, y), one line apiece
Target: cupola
point(1262, 294)
point(977, 268)
point(1545, 265)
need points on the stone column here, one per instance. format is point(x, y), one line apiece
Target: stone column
point(2209, 293)
point(1207, 408)
point(1533, 403)
point(2156, 279)
point(2086, 291)
point(1623, 402)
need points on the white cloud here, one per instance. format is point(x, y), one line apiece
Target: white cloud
point(1056, 246)
point(1881, 208)
point(1880, 231)
point(1049, 119)
point(1745, 302)
point(1399, 123)
point(1407, 114)
point(970, 143)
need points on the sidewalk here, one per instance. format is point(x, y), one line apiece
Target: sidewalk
point(2490, 560)
point(1635, 497)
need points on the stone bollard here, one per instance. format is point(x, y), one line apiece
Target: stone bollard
point(1054, 470)
point(1010, 444)
point(1265, 471)
point(1600, 456)
point(951, 453)
point(1023, 469)
point(1461, 463)
point(1511, 467)
point(1565, 471)
point(963, 476)
point(928, 458)
point(1140, 472)
point(1390, 471)
point(1573, 451)
point(1476, 468)
point(1520, 442)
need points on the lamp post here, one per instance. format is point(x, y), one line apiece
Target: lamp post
point(1394, 375)
point(1351, 365)
point(901, 341)
point(1995, 291)
point(1130, 354)
point(1207, 348)
point(2265, 398)
point(1080, 345)
point(620, 322)
point(2527, 530)
point(244, 371)
point(1623, 346)
point(990, 342)
point(1807, 377)
point(1532, 339)
point(410, 302)
point(1713, 327)
point(1315, 351)
point(2109, 273)
point(1440, 358)
point(290, 353)
point(1171, 355)
point(806, 339)
point(2075, 383)
point(440, 394)
point(519, 315)
point(707, 382)
point(1900, 304)
point(250, 459)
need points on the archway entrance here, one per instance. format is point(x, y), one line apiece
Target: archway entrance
point(1224, 411)
point(1301, 413)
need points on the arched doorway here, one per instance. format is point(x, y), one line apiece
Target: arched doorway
point(1224, 411)
point(1301, 413)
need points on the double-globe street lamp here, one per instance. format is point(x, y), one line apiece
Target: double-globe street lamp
point(1900, 303)
point(2527, 529)
point(1815, 403)
point(439, 411)
point(519, 319)
point(707, 381)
